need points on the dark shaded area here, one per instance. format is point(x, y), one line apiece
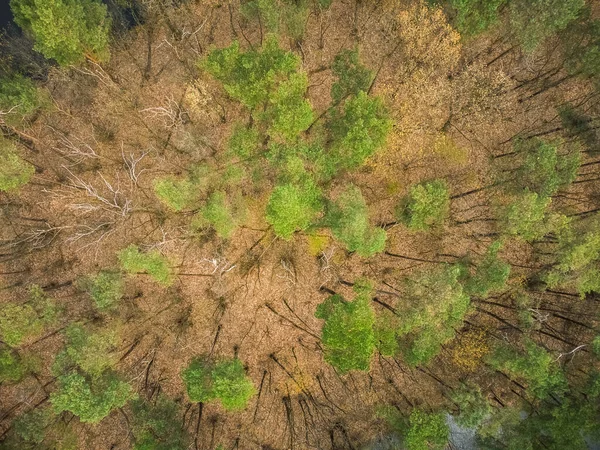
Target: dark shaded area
point(6, 16)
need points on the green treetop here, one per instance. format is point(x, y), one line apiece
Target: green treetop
point(426, 431)
point(436, 306)
point(105, 288)
point(348, 218)
point(27, 320)
point(475, 16)
point(225, 380)
point(352, 76)
point(65, 30)
point(153, 263)
point(251, 77)
point(156, 425)
point(357, 132)
point(19, 98)
point(535, 20)
point(473, 406)
point(90, 399)
point(490, 275)
point(224, 216)
point(14, 172)
point(526, 216)
point(12, 368)
point(534, 365)
point(176, 194)
point(577, 260)
point(543, 170)
point(92, 351)
point(293, 207)
point(348, 337)
point(426, 206)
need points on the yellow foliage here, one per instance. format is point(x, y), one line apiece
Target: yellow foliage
point(470, 349)
point(317, 243)
point(445, 147)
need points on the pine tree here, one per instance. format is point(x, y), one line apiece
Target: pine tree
point(490, 275)
point(476, 16)
point(293, 207)
point(156, 425)
point(352, 76)
point(105, 289)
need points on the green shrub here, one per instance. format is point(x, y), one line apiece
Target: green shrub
point(491, 273)
point(222, 215)
point(153, 263)
point(348, 337)
point(156, 425)
point(352, 76)
point(31, 426)
point(533, 364)
point(357, 132)
point(473, 406)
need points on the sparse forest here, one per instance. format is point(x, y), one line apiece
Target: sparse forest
point(300, 224)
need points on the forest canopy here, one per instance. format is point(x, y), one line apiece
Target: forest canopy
point(298, 224)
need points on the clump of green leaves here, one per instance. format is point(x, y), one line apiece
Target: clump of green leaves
point(27, 320)
point(577, 261)
point(222, 215)
point(426, 431)
point(526, 216)
point(535, 20)
point(348, 218)
point(93, 352)
point(347, 335)
point(19, 98)
point(385, 331)
point(12, 367)
point(225, 381)
point(156, 425)
point(14, 172)
point(265, 11)
point(357, 132)
point(293, 207)
point(65, 30)
point(490, 275)
point(475, 16)
point(31, 426)
point(153, 263)
point(426, 206)
point(105, 288)
point(473, 406)
point(352, 76)
point(533, 364)
point(436, 306)
point(176, 194)
point(543, 170)
point(91, 399)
